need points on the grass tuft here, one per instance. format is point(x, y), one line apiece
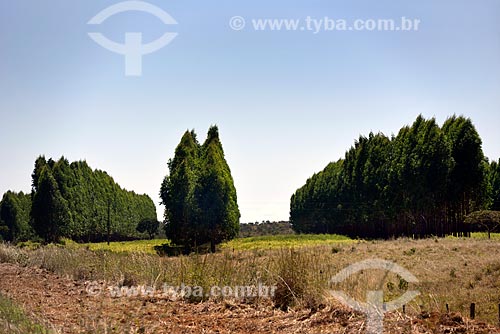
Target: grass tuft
point(14, 321)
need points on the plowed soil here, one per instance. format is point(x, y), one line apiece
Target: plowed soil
point(64, 305)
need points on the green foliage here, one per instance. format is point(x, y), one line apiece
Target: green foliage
point(88, 204)
point(494, 178)
point(148, 225)
point(265, 228)
point(13, 320)
point(50, 213)
point(484, 220)
point(199, 194)
point(15, 217)
point(422, 182)
point(177, 191)
point(468, 188)
point(215, 194)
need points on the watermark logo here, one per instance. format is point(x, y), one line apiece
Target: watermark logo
point(316, 25)
point(186, 291)
point(237, 23)
point(374, 308)
point(133, 49)
point(93, 288)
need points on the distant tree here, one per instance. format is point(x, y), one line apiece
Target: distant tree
point(40, 163)
point(265, 228)
point(14, 213)
point(50, 214)
point(485, 220)
point(468, 185)
point(8, 214)
point(148, 225)
point(495, 185)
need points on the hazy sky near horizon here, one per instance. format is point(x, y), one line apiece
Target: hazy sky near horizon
point(286, 102)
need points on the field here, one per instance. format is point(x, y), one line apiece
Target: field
point(453, 271)
point(138, 246)
point(479, 235)
point(252, 243)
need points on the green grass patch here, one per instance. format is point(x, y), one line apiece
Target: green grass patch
point(251, 243)
point(137, 246)
point(13, 320)
point(285, 241)
point(484, 235)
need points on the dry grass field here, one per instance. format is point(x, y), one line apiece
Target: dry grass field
point(450, 271)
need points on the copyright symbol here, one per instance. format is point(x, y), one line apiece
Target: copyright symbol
point(237, 23)
point(94, 289)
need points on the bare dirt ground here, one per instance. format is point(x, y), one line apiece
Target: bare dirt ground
point(65, 306)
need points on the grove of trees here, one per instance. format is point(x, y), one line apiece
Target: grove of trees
point(424, 181)
point(199, 194)
point(71, 200)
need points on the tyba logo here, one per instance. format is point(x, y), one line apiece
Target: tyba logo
point(133, 49)
point(375, 307)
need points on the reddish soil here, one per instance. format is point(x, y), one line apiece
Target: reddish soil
point(63, 304)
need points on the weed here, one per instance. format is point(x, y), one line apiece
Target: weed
point(14, 321)
point(453, 273)
point(409, 252)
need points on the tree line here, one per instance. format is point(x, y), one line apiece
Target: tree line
point(265, 228)
point(199, 194)
point(71, 200)
point(423, 181)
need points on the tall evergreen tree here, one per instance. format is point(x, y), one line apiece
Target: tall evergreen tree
point(495, 185)
point(50, 213)
point(177, 192)
point(8, 213)
point(215, 193)
point(40, 163)
point(15, 214)
point(199, 194)
point(468, 183)
point(419, 173)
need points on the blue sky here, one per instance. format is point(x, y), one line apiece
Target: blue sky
point(286, 103)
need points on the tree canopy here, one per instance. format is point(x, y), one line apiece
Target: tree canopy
point(149, 226)
point(50, 212)
point(199, 194)
point(494, 179)
point(421, 182)
point(73, 201)
point(15, 216)
point(484, 220)
point(98, 207)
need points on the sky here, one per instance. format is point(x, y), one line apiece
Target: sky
point(286, 102)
